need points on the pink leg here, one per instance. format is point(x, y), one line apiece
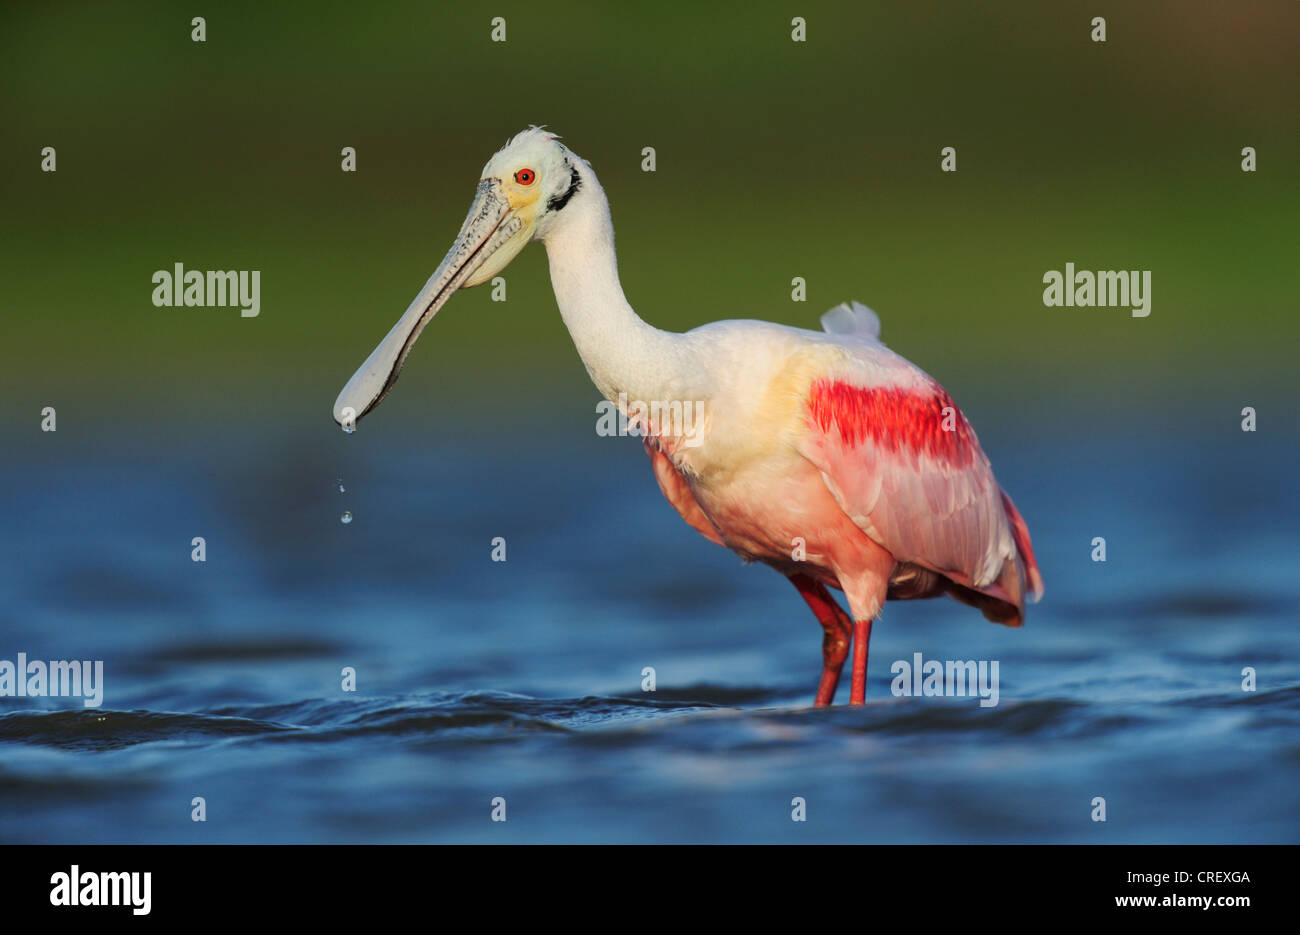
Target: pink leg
point(835, 640)
point(866, 587)
point(861, 638)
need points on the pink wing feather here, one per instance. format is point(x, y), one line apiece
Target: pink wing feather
point(904, 464)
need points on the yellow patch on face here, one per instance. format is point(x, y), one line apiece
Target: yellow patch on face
point(523, 198)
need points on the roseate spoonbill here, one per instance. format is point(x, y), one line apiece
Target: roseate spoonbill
point(823, 454)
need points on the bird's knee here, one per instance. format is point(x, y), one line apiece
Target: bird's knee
point(835, 645)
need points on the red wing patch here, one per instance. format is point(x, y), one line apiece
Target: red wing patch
point(894, 419)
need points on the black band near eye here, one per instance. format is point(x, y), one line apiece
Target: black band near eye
point(559, 201)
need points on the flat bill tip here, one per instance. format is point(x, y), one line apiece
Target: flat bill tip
point(346, 418)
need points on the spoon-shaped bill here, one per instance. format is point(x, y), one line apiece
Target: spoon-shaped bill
point(487, 227)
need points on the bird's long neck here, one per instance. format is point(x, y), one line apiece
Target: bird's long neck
point(622, 353)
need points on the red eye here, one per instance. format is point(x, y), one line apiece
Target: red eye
point(525, 176)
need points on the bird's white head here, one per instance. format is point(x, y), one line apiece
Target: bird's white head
point(522, 196)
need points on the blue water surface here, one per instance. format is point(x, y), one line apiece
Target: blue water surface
point(523, 679)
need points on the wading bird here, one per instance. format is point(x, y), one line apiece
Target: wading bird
point(823, 454)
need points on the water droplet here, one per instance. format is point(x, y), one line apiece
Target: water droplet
point(341, 488)
point(346, 517)
point(350, 428)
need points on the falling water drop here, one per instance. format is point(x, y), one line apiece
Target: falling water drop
point(346, 517)
point(341, 488)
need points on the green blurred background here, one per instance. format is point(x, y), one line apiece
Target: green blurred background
point(775, 159)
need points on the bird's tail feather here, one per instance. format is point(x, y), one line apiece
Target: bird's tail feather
point(1025, 548)
point(852, 318)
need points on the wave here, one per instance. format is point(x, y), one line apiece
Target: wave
point(501, 715)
